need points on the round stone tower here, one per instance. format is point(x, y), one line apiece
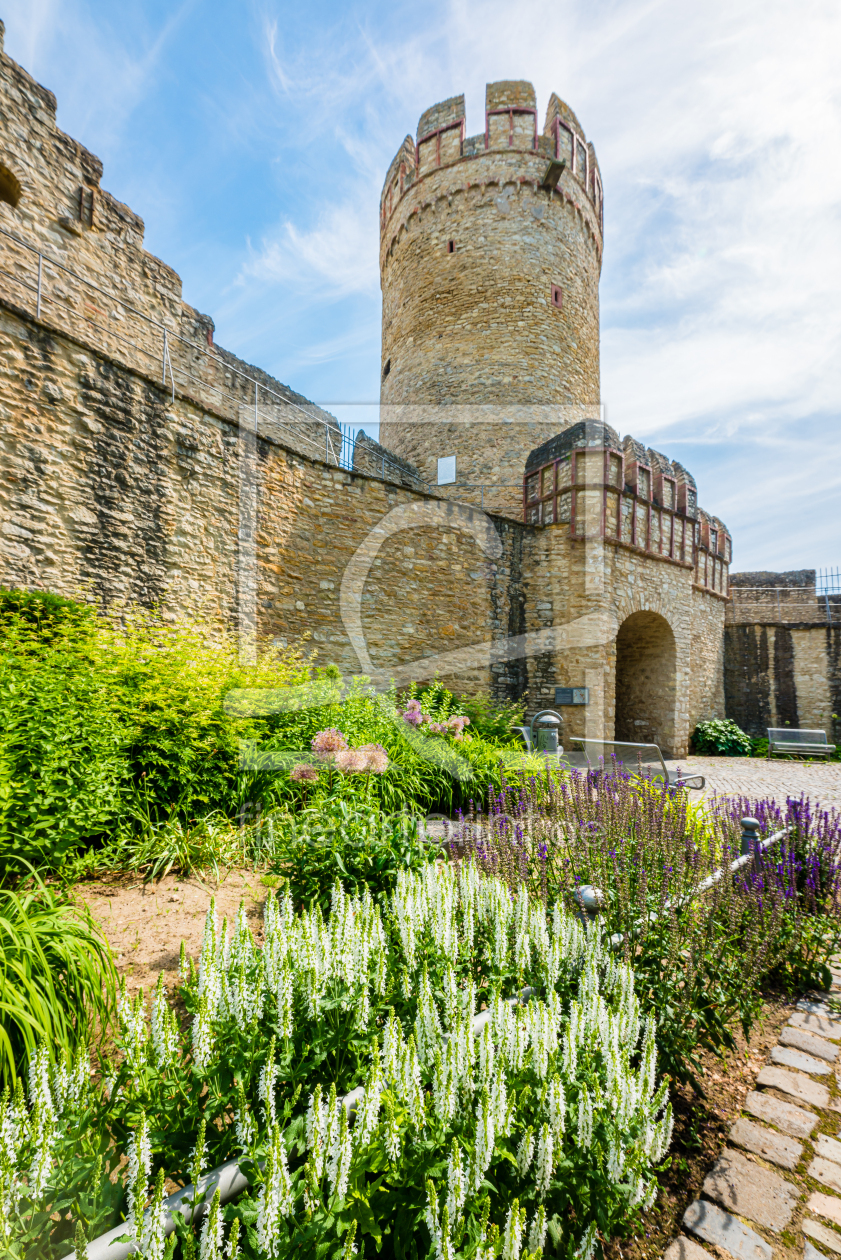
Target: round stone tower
point(490, 255)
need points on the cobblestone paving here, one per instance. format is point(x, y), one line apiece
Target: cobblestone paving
point(758, 778)
point(776, 1190)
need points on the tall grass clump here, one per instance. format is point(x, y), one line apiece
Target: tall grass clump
point(57, 977)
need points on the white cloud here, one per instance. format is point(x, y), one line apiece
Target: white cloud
point(334, 258)
point(106, 70)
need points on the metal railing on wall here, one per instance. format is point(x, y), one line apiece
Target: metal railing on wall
point(158, 351)
point(157, 357)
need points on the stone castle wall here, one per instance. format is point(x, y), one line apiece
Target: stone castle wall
point(111, 490)
point(782, 661)
point(490, 268)
point(109, 487)
point(142, 464)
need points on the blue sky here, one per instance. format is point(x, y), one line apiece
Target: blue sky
point(253, 139)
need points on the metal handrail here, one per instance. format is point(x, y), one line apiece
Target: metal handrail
point(333, 438)
point(168, 334)
point(591, 900)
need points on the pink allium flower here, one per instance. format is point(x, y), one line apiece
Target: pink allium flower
point(413, 706)
point(413, 717)
point(351, 761)
point(376, 758)
point(303, 773)
point(327, 743)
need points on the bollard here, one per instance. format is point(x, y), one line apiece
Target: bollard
point(590, 900)
point(750, 835)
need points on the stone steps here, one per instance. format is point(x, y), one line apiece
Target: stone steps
point(776, 1188)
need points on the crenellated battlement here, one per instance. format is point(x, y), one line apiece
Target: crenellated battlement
point(562, 159)
point(627, 494)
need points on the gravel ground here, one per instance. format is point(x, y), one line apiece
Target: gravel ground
point(759, 778)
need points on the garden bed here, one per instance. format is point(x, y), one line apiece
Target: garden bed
point(145, 923)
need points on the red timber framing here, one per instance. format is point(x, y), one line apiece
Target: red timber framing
point(642, 512)
point(510, 110)
point(436, 135)
point(576, 142)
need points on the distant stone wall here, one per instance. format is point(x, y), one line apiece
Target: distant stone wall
point(781, 660)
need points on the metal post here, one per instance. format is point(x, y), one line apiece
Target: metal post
point(256, 387)
point(326, 444)
point(590, 901)
point(163, 361)
point(38, 299)
point(750, 836)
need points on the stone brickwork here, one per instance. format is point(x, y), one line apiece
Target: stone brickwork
point(782, 644)
point(111, 490)
point(490, 259)
point(141, 463)
point(611, 613)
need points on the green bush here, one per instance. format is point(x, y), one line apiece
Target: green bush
point(140, 732)
point(63, 770)
point(721, 737)
point(361, 845)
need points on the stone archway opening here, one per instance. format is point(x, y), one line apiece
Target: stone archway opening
point(645, 681)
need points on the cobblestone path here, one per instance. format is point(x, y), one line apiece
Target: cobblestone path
point(776, 1189)
point(758, 778)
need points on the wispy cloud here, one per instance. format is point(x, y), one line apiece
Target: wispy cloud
point(335, 257)
point(107, 67)
point(718, 131)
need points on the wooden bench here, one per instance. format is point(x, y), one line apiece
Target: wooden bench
point(645, 760)
point(785, 742)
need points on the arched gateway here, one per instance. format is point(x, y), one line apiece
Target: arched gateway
point(645, 681)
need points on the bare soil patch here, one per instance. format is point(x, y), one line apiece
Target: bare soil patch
point(145, 923)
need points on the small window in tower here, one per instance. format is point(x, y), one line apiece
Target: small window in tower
point(446, 470)
point(557, 296)
point(9, 186)
point(387, 368)
point(451, 247)
point(86, 199)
